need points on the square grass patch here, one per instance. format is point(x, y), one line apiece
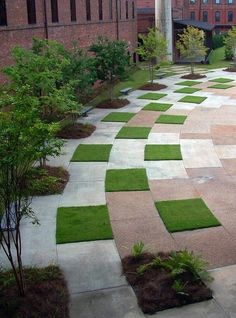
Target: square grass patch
point(152, 96)
point(163, 152)
point(188, 83)
point(133, 133)
point(221, 86)
point(118, 117)
point(79, 224)
point(192, 99)
point(187, 90)
point(157, 107)
point(171, 119)
point(126, 180)
point(183, 215)
point(222, 80)
point(85, 153)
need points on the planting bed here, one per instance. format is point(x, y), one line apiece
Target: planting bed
point(76, 131)
point(152, 87)
point(115, 103)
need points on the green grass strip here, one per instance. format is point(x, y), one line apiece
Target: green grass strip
point(188, 83)
point(221, 80)
point(187, 90)
point(157, 107)
point(94, 152)
point(133, 133)
point(126, 180)
point(152, 96)
point(221, 86)
point(183, 215)
point(118, 117)
point(192, 99)
point(163, 152)
point(78, 224)
point(171, 119)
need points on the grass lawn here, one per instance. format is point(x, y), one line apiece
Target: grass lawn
point(126, 180)
point(133, 133)
point(157, 107)
point(152, 96)
point(92, 153)
point(118, 117)
point(221, 80)
point(188, 83)
point(163, 152)
point(187, 90)
point(183, 215)
point(192, 99)
point(221, 86)
point(87, 223)
point(171, 119)
point(217, 59)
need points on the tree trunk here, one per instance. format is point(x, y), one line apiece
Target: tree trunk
point(192, 68)
point(111, 90)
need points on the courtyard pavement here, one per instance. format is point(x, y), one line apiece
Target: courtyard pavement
point(208, 170)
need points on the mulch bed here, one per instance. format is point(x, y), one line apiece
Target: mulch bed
point(231, 69)
point(115, 103)
point(76, 131)
point(152, 87)
point(46, 295)
point(193, 76)
point(154, 288)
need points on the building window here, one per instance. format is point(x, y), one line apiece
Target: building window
point(217, 16)
point(31, 11)
point(100, 11)
point(230, 16)
point(192, 15)
point(3, 13)
point(120, 10)
point(192, 1)
point(217, 1)
point(230, 1)
point(205, 1)
point(133, 10)
point(54, 9)
point(72, 10)
point(111, 9)
point(88, 10)
point(127, 10)
point(205, 16)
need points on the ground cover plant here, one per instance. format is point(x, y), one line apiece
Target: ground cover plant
point(118, 117)
point(183, 215)
point(163, 152)
point(171, 119)
point(84, 153)
point(75, 131)
point(162, 107)
point(187, 90)
point(46, 294)
point(222, 80)
point(133, 133)
point(126, 180)
point(192, 99)
point(188, 83)
point(86, 223)
point(152, 96)
point(221, 86)
point(167, 280)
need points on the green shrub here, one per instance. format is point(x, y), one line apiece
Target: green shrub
point(218, 40)
point(137, 249)
point(229, 52)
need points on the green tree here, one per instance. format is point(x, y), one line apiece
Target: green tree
point(230, 44)
point(153, 49)
point(191, 45)
point(111, 60)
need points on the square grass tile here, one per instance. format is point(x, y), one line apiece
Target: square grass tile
point(85, 153)
point(79, 224)
point(221, 86)
point(192, 99)
point(187, 90)
point(118, 117)
point(221, 80)
point(163, 152)
point(126, 180)
point(188, 83)
point(157, 107)
point(171, 119)
point(183, 215)
point(133, 133)
point(153, 96)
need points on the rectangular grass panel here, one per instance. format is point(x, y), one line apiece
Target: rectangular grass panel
point(187, 90)
point(133, 133)
point(152, 96)
point(157, 107)
point(192, 99)
point(188, 83)
point(85, 153)
point(126, 180)
point(163, 152)
point(79, 224)
point(118, 117)
point(171, 119)
point(183, 215)
point(221, 86)
point(221, 80)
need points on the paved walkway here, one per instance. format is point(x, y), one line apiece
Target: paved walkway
point(208, 170)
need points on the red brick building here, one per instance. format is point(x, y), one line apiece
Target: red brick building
point(65, 21)
point(146, 15)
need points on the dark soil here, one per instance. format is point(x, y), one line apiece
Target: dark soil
point(115, 103)
point(154, 288)
point(231, 69)
point(152, 87)
point(193, 76)
point(76, 131)
point(46, 295)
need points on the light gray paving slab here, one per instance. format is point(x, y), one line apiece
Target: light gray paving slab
point(163, 138)
point(87, 171)
point(66, 154)
point(226, 151)
point(168, 169)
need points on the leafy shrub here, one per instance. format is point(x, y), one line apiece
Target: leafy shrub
point(218, 40)
point(180, 287)
point(137, 249)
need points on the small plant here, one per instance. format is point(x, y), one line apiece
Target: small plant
point(143, 268)
point(137, 249)
point(180, 287)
